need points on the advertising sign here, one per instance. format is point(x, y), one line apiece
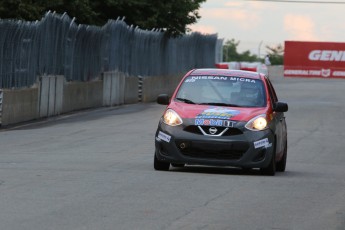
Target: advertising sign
point(314, 59)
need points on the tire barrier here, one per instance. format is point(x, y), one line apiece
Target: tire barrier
point(140, 88)
point(248, 66)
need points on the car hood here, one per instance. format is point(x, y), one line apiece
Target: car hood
point(192, 111)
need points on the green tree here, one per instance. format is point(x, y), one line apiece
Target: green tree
point(230, 50)
point(230, 53)
point(172, 17)
point(31, 10)
point(276, 54)
point(82, 10)
point(18, 9)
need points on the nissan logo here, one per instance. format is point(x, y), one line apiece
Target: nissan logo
point(212, 130)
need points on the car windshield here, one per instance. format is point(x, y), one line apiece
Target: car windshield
point(222, 91)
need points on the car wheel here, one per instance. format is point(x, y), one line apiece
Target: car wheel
point(176, 165)
point(270, 170)
point(281, 165)
point(160, 165)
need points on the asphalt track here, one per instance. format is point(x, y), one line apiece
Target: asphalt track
point(93, 170)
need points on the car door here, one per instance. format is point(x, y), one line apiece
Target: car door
point(279, 122)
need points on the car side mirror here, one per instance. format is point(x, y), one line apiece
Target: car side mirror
point(280, 107)
point(163, 99)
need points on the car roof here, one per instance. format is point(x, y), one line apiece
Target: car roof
point(226, 72)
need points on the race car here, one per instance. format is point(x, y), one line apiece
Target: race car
point(222, 117)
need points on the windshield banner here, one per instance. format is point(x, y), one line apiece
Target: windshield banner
point(314, 59)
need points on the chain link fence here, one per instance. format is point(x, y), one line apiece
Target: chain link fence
point(56, 45)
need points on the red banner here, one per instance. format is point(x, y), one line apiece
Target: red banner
point(314, 59)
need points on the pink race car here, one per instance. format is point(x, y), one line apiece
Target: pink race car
point(222, 117)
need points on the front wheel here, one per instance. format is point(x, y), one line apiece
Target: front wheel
point(281, 165)
point(160, 165)
point(270, 170)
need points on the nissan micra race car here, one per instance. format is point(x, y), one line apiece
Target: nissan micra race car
point(221, 117)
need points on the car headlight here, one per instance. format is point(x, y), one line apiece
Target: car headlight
point(171, 118)
point(258, 123)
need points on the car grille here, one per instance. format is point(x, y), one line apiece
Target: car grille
point(195, 129)
point(208, 150)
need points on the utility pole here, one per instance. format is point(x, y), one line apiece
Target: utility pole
point(259, 55)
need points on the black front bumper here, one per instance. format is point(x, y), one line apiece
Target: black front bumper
point(184, 144)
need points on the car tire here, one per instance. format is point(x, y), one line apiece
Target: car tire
point(270, 170)
point(160, 165)
point(281, 165)
point(177, 165)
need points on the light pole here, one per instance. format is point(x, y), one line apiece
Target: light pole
point(259, 55)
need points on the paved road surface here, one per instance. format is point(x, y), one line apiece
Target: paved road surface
point(93, 171)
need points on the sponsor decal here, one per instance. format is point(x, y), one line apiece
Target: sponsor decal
point(312, 73)
point(327, 55)
point(241, 79)
point(314, 59)
point(262, 143)
point(189, 80)
point(217, 113)
point(325, 72)
point(297, 72)
point(214, 122)
point(339, 73)
point(209, 78)
point(164, 137)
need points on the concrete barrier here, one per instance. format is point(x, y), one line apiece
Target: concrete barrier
point(53, 96)
point(50, 95)
point(113, 88)
point(153, 86)
point(275, 71)
point(82, 95)
point(19, 105)
point(119, 88)
point(131, 90)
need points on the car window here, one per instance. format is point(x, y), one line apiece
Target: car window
point(222, 90)
point(271, 91)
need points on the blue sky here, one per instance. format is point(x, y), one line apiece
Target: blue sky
point(271, 23)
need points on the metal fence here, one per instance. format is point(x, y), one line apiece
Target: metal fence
point(56, 45)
